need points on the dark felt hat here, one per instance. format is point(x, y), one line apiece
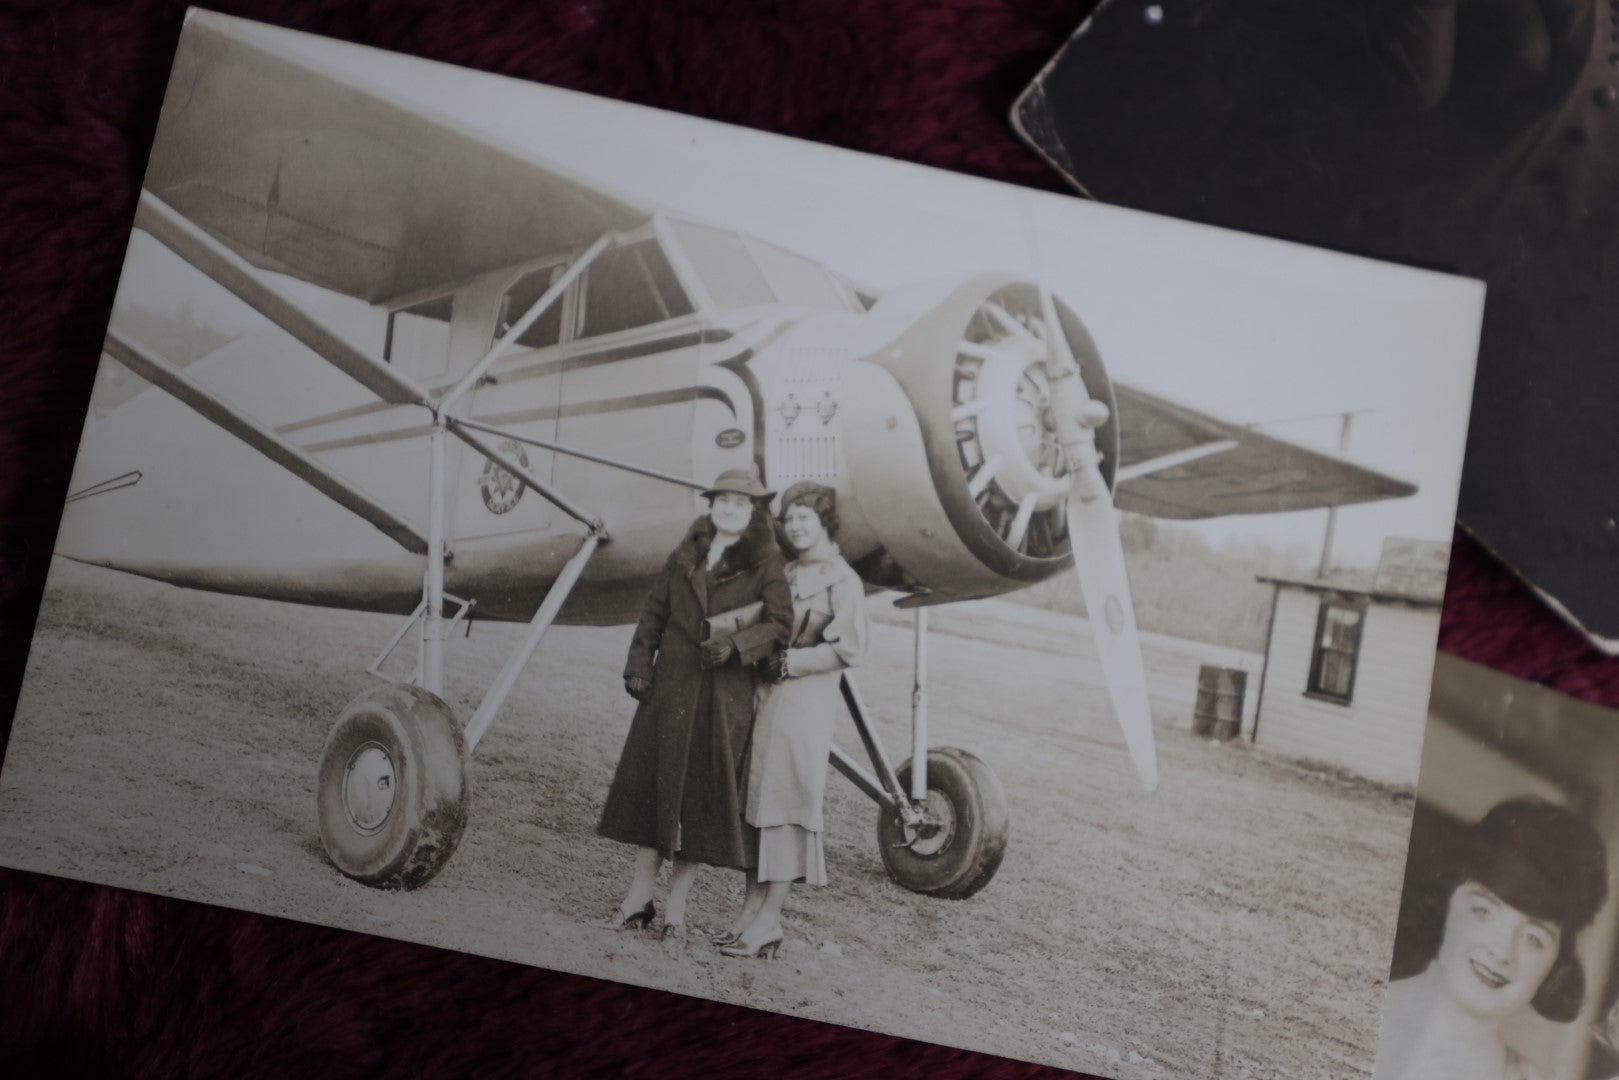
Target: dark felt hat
point(740, 482)
point(1543, 859)
point(818, 497)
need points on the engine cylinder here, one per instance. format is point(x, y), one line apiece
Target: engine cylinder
point(972, 369)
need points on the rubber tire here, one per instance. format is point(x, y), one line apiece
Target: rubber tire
point(429, 812)
point(971, 857)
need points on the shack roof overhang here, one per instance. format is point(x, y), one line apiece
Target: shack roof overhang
point(1356, 587)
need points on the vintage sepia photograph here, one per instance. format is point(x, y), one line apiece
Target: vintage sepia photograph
point(553, 529)
point(1509, 925)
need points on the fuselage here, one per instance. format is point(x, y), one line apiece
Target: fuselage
point(652, 370)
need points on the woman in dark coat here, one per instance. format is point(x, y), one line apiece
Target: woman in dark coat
point(677, 793)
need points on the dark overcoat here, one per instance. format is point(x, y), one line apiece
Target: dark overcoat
point(680, 780)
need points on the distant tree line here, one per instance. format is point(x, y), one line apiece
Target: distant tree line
point(1186, 587)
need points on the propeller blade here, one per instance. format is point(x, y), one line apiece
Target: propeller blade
point(1093, 534)
point(1093, 531)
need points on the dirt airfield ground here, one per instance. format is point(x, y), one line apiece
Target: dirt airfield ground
point(1235, 924)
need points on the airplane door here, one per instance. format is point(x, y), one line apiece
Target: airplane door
point(522, 398)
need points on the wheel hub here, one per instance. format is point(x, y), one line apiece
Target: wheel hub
point(369, 785)
point(932, 833)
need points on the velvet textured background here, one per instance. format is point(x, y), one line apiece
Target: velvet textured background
point(98, 981)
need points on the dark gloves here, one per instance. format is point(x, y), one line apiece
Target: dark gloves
point(638, 688)
point(717, 652)
point(773, 668)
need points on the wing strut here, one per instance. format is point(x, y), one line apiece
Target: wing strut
point(523, 476)
point(214, 259)
point(294, 460)
point(528, 318)
point(599, 459)
point(555, 597)
point(1125, 473)
point(227, 268)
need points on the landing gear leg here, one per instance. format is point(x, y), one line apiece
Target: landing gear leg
point(392, 793)
point(942, 821)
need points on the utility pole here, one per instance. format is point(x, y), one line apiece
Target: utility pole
point(1345, 419)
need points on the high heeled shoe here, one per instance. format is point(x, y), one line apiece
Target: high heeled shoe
point(623, 920)
point(673, 940)
point(729, 937)
point(742, 951)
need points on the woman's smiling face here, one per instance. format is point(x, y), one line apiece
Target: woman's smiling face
point(1493, 957)
point(731, 512)
point(802, 526)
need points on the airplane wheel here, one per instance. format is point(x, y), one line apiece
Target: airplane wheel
point(392, 794)
point(960, 843)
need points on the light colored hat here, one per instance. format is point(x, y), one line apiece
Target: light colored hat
point(740, 482)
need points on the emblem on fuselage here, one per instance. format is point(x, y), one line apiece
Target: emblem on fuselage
point(730, 439)
point(500, 488)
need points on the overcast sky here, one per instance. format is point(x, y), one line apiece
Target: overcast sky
point(1251, 330)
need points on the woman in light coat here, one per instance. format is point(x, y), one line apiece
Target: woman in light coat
point(792, 736)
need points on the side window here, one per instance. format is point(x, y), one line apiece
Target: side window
point(418, 337)
point(796, 279)
point(547, 329)
point(1337, 649)
point(631, 286)
point(722, 260)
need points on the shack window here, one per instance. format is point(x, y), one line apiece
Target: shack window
point(631, 286)
point(547, 329)
point(1337, 649)
point(418, 337)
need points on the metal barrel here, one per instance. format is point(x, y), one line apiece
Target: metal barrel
point(1218, 711)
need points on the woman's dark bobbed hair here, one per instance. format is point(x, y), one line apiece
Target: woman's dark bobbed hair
point(1542, 859)
point(818, 497)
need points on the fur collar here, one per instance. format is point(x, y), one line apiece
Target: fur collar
point(754, 546)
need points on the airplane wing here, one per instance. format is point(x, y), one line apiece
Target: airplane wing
point(302, 171)
point(1176, 462)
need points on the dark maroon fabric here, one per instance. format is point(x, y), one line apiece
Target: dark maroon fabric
point(98, 981)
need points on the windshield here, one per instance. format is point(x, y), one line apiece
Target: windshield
point(740, 271)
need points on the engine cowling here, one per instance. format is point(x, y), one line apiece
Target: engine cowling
point(962, 392)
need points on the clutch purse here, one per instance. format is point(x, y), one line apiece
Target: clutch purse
point(809, 630)
point(727, 623)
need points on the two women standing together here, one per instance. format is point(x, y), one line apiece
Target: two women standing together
point(714, 771)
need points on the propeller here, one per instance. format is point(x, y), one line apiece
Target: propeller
point(1093, 535)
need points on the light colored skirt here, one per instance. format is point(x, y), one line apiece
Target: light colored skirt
point(791, 853)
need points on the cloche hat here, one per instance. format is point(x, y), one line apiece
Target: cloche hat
point(740, 482)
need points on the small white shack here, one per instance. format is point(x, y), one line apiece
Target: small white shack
point(1349, 660)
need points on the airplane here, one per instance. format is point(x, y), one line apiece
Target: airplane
point(559, 370)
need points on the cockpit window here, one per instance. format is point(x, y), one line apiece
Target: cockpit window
point(795, 279)
point(722, 261)
point(631, 286)
point(547, 329)
point(418, 337)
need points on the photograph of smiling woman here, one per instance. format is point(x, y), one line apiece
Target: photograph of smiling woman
point(1486, 933)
